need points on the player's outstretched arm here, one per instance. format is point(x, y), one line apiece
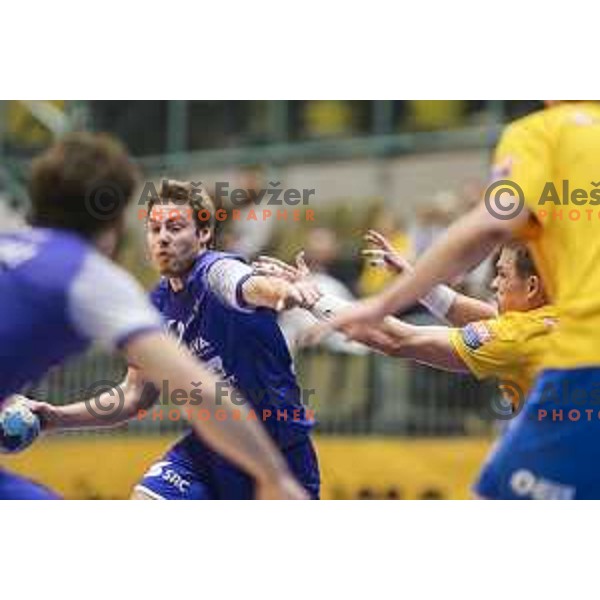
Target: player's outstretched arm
point(465, 245)
point(242, 441)
point(442, 301)
point(394, 337)
point(108, 409)
point(242, 288)
point(430, 345)
point(278, 294)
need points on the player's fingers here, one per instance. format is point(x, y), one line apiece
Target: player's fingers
point(301, 263)
point(259, 267)
point(310, 294)
point(271, 260)
point(294, 298)
point(266, 270)
point(289, 298)
point(35, 406)
point(272, 270)
point(370, 239)
point(376, 258)
point(397, 262)
point(379, 240)
point(282, 268)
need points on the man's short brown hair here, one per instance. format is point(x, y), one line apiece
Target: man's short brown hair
point(524, 264)
point(184, 193)
point(82, 183)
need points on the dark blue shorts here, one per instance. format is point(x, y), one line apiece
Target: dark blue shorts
point(191, 471)
point(15, 487)
point(551, 450)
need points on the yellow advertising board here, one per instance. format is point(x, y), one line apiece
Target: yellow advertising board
point(352, 467)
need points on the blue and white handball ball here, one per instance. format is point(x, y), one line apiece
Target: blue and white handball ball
point(19, 426)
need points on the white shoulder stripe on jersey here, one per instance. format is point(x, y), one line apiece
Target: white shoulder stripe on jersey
point(224, 276)
point(107, 305)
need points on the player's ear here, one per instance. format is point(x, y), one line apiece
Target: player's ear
point(534, 286)
point(204, 235)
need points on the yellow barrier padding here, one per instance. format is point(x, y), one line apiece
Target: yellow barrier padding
point(352, 467)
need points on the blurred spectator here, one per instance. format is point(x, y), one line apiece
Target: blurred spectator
point(320, 251)
point(374, 278)
point(432, 220)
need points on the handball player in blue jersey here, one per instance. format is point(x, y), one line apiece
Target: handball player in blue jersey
point(226, 315)
point(60, 292)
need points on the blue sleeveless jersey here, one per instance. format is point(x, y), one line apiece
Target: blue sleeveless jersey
point(37, 268)
point(246, 348)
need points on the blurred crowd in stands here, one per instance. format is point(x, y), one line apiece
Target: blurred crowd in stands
point(144, 124)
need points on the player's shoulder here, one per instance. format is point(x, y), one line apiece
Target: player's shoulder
point(45, 243)
point(521, 326)
point(209, 259)
point(46, 259)
point(534, 124)
point(549, 121)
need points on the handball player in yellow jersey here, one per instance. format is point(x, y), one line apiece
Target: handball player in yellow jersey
point(504, 340)
point(545, 190)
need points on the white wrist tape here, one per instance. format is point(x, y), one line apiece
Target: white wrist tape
point(439, 300)
point(327, 306)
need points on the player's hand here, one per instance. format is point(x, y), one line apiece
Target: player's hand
point(48, 414)
point(284, 488)
point(273, 267)
point(358, 314)
point(304, 293)
point(383, 249)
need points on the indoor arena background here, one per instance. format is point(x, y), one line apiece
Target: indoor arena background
point(387, 428)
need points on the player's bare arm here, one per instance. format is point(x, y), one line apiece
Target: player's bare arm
point(276, 293)
point(443, 302)
point(244, 288)
point(430, 345)
point(136, 392)
point(394, 337)
point(463, 247)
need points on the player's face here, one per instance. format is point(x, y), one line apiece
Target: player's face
point(173, 240)
point(512, 290)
